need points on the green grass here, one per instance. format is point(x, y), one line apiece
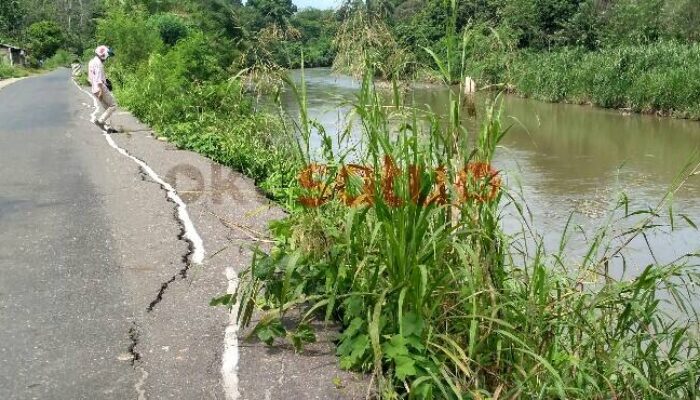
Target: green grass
point(436, 301)
point(662, 77)
point(185, 97)
point(7, 71)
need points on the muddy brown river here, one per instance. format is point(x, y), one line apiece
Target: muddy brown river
point(565, 159)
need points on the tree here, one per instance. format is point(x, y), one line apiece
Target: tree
point(683, 20)
point(317, 28)
point(171, 27)
point(634, 21)
point(11, 13)
point(583, 29)
point(220, 17)
point(44, 39)
point(405, 11)
point(274, 11)
point(132, 37)
point(540, 23)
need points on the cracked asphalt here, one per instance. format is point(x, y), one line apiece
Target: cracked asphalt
point(97, 298)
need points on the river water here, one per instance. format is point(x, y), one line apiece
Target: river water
point(564, 159)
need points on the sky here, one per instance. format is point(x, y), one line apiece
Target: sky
point(316, 3)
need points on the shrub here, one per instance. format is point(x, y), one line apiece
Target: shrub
point(7, 71)
point(62, 58)
point(132, 38)
point(171, 27)
point(44, 39)
point(184, 94)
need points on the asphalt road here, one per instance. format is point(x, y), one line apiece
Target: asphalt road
point(61, 303)
point(98, 297)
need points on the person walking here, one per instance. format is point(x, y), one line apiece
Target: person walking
point(100, 87)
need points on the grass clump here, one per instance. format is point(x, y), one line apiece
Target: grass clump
point(8, 71)
point(186, 93)
point(660, 78)
point(62, 58)
point(404, 250)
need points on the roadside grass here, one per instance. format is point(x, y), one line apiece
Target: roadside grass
point(409, 258)
point(62, 58)
point(7, 71)
point(404, 249)
point(187, 98)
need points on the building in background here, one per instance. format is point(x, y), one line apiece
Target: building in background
point(12, 55)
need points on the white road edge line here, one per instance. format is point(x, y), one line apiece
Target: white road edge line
point(190, 232)
point(230, 358)
point(229, 367)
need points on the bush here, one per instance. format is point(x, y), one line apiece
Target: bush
point(44, 39)
point(7, 71)
point(131, 37)
point(661, 77)
point(171, 27)
point(184, 94)
point(62, 58)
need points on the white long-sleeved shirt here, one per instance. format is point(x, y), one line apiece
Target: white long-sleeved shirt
point(96, 75)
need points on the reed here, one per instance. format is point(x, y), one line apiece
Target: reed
point(434, 298)
point(658, 78)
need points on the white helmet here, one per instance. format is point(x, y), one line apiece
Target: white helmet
point(102, 52)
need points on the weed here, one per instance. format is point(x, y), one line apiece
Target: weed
point(437, 301)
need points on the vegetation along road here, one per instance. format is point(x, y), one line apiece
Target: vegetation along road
point(99, 294)
point(304, 203)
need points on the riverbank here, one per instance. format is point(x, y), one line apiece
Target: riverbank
point(661, 78)
point(398, 321)
point(431, 301)
point(410, 258)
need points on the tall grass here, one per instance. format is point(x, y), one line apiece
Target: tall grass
point(434, 299)
point(362, 40)
point(662, 77)
point(7, 71)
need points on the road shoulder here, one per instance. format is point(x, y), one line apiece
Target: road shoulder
point(9, 81)
point(179, 339)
